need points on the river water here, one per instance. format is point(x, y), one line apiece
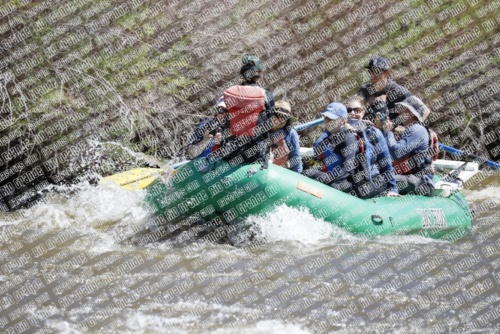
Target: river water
point(68, 266)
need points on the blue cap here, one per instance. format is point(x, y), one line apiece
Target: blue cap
point(335, 110)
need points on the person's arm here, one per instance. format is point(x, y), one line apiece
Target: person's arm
point(195, 150)
point(269, 103)
point(348, 149)
point(321, 143)
point(294, 158)
point(412, 139)
point(384, 162)
point(200, 139)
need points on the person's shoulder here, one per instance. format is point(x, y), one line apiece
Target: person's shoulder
point(325, 134)
point(395, 86)
point(366, 90)
point(293, 135)
point(348, 132)
point(269, 95)
point(203, 122)
point(370, 127)
point(417, 128)
point(292, 131)
point(366, 123)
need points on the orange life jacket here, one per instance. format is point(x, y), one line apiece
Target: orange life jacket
point(244, 104)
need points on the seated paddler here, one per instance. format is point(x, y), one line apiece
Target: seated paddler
point(285, 145)
point(374, 174)
point(412, 150)
point(249, 109)
point(336, 150)
point(208, 134)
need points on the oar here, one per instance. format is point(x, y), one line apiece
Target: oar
point(456, 151)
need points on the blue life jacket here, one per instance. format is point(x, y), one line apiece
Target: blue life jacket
point(329, 158)
point(337, 157)
point(374, 158)
point(370, 140)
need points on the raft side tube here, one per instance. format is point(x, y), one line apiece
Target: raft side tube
point(236, 192)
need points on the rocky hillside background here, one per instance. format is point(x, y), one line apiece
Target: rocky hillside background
point(88, 85)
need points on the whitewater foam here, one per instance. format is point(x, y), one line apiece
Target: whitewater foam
point(488, 193)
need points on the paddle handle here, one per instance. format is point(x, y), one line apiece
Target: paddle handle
point(456, 151)
point(304, 126)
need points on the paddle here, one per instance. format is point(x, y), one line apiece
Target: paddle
point(477, 158)
point(141, 178)
point(304, 126)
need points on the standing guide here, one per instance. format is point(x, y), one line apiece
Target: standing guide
point(382, 93)
point(249, 108)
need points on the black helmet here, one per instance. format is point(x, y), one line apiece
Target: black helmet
point(251, 67)
point(378, 64)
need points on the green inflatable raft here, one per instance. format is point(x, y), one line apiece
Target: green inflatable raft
point(221, 194)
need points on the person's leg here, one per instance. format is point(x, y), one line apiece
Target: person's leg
point(405, 185)
point(344, 186)
point(424, 189)
point(318, 175)
point(313, 174)
point(326, 178)
point(413, 184)
point(369, 190)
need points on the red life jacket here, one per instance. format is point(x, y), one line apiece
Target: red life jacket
point(244, 104)
point(434, 145)
point(405, 166)
point(281, 152)
point(402, 166)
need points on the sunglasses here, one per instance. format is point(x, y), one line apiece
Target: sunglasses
point(356, 110)
point(282, 113)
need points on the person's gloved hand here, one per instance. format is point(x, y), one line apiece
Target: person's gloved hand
point(399, 129)
point(207, 136)
point(387, 126)
point(217, 138)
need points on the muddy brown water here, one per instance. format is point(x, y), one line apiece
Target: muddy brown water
point(66, 267)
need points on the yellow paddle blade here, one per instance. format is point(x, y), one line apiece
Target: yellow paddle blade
point(135, 179)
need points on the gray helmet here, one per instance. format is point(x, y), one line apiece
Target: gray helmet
point(415, 106)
